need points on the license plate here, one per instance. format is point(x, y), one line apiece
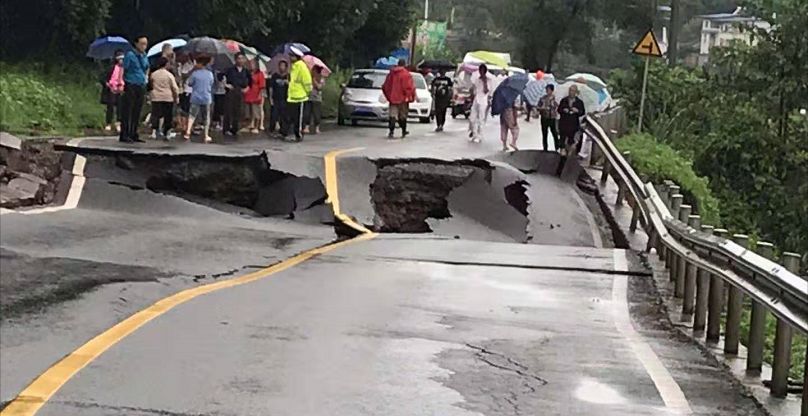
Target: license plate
point(363, 110)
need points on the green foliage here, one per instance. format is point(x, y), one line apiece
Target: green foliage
point(656, 162)
point(738, 120)
point(337, 30)
point(33, 101)
point(332, 91)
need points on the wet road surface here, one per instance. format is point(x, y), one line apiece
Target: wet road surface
point(399, 324)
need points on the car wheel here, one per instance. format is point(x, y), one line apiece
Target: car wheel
point(354, 122)
point(424, 120)
point(340, 120)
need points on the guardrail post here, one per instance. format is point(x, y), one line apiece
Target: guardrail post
point(782, 354)
point(792, 262)
point(757, 322)
point(694, 221)
point(621, 187)
point(667, 183)
point(635, 217)
point(716, 301)
point(604, 174)
point(734, 307)
point(676, 202)
point(681, 264)
point(662, 251)
point(673, 190)
point(702, 292)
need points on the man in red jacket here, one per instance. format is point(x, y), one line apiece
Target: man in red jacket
point(399, 89)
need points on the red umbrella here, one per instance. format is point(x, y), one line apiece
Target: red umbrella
point(313, 61)
point(232, 45)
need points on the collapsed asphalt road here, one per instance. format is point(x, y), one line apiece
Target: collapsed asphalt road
point(462, 318)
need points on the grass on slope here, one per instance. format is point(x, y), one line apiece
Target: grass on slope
point(38, 101)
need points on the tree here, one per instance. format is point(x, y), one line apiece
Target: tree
point(741, 124)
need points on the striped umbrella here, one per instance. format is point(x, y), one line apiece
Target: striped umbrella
point(535, 89)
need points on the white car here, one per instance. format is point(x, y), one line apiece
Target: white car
point(362, 98)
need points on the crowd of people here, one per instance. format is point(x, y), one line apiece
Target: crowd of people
point(185, 91)
point(187, 95)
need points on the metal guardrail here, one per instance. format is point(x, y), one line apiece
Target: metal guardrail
point(706, 267)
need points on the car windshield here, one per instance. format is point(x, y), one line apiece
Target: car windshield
point(420, 83)
point(371, 80)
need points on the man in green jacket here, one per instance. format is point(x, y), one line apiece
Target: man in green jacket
point(299, 89)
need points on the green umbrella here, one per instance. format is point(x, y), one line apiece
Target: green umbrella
point(492, 58)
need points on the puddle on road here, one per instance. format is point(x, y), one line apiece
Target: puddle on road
point(593, 391)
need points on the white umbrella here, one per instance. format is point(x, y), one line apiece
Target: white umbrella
point(586, 94)
point(158, 47)
point(592, 81)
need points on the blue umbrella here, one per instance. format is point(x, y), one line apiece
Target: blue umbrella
point(105, 47)
point(285, 49)
point(507, 92)
point(158, 47)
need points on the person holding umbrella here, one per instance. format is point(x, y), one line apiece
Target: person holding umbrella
point(237, 81)
point(442, 87)
point(509, 122)
point(570, 109)
point(300, 86)
point(135, 69)
point(111, 90)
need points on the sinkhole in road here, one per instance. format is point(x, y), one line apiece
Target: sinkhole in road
point(464, 198)
point(427, 195)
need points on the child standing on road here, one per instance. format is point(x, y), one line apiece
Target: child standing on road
point(254, 98)
point(201, 83)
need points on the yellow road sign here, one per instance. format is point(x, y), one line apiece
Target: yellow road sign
point(648, 45)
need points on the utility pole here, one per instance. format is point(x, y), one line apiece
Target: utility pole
point(673, 33)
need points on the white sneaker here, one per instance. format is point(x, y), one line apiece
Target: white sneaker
point(153, 135)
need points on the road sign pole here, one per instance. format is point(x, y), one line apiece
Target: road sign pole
point(642, 97)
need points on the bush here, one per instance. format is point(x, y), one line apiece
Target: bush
point(35, 101)
point(657, 162)
point(332, 91)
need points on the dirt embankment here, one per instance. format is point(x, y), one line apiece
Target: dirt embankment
point(30, 171)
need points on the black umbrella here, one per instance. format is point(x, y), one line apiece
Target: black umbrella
point(216, 49)
point(436, 64)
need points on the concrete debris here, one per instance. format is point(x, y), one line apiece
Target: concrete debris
point(28, 175)
point(10, 141)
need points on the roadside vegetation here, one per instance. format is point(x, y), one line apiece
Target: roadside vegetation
point(39, 101)
point(656, 162)
point(739, 127)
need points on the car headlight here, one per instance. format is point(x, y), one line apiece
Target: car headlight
point(346, 96)
point(382, 99)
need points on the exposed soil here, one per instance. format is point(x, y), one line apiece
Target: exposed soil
point(31, 175)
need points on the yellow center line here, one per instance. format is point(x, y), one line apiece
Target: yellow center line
point(332, 189)
point(33, 397)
